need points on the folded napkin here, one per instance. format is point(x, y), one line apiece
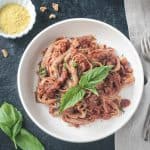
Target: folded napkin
point(130, 137)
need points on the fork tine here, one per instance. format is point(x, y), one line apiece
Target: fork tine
point(148, 134)
point(146, 130)
point(145, 47)
point(145, 44)
point(148, 43)
point(142, 46)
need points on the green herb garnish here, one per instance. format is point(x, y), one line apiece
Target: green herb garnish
point(11, 124)
point(65, 65)
point(121, 109)
point(88, 81)
point(42, 71)
point(71, 97)
point(74, 64)
point(94, 76)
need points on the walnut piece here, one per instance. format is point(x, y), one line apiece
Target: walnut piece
point(52, 16)
point(4, 53)
point(55, 6)
point(43, 8)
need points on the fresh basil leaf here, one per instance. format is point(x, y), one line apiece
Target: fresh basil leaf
point(94, 76)
point(42, 71)
point(15, 130)
point(71, 97)
point(93, 90)
point(9, 115)
point(6, 130)
point(10, 121)
point(26, 141)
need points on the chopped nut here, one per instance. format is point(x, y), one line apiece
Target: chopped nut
point(55, 6)
point(4, 53)
point(43, 8)
point(52, 16)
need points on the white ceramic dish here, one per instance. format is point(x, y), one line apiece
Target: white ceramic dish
point(30, 7)
point(27, 80)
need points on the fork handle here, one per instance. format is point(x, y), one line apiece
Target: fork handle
point(146, 129)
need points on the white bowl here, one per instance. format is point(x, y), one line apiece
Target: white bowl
point(27, 80)
point(31, 9)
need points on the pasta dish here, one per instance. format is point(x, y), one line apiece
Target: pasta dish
point(80, 80)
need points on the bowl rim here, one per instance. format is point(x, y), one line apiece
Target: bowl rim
point(26, 30)
point(19, 82)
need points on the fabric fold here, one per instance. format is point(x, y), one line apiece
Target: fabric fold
point(130, 137)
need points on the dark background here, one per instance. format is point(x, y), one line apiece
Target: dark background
point(109, 11)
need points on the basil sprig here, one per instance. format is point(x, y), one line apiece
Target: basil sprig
point(88, 81)
point(11, 124)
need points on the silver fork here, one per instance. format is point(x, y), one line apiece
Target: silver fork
point(145, 47)
point(146, 130)
point(145, 51)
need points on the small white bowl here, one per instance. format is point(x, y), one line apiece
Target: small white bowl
point(27, 80)
point(31, 9)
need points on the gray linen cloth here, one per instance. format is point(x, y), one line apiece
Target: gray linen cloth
point(130, 137)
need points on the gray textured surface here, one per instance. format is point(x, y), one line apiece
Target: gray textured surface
point(131, 136)
point(110, 11)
